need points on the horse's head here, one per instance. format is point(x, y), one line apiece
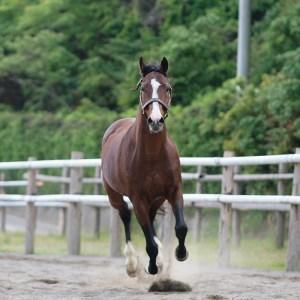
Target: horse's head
point(155, 94)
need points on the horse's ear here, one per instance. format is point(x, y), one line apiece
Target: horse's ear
point(142, 65)
point(164, 66)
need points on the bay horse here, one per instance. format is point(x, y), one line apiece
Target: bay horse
point(140, 161)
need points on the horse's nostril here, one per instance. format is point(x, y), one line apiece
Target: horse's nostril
point(150, 120)
point(161, 120)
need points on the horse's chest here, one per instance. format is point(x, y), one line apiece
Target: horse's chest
point(155, 183)
point(154, 179)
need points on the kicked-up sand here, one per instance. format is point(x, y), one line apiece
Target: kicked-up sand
point(64, 277)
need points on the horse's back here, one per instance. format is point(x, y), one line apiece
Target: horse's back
point(114, 154)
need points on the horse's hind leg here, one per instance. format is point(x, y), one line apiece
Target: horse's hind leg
point(118, 203)
point(129, 251)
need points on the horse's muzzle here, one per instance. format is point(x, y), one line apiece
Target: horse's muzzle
point(156, 126)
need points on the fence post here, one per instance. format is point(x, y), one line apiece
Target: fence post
point(74, 209)
point(2, 209)
point(31, 211)
point(198, 210)
point(225, 214)
point(97, 209)
point(293, 255)
point(236, 214)
point(280, 215)
point(115, 240)
point(62, 212)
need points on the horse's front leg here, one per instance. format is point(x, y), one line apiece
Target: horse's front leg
point(159, 258)
point(142, 214)
point(180, 228)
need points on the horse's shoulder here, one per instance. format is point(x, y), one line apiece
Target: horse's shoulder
point(172, 148)
point(121, 124)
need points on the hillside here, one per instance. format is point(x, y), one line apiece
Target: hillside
point(67, 69)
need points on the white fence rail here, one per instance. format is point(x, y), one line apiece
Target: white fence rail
point(229, 202)
point(189, 199)
point(185, 161)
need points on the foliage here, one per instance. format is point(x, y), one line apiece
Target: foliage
point(53, 136)
point(68, 69)
point(196, 126)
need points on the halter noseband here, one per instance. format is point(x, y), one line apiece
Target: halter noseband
point(152, 100)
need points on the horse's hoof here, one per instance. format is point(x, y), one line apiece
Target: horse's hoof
point(160, 268)
point(151, 270)
point(132, 273)
point(181, 255)
point(159, 264)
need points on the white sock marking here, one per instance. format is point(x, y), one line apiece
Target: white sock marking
point(131, 261)
point(159, 258)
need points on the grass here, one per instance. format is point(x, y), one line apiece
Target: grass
point(252, 253)
point(258, 253)
point(53, 244)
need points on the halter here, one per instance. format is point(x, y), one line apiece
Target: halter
point(152, 100)
point(143, 106)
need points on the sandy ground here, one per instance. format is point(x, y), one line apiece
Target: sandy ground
point(49, 277)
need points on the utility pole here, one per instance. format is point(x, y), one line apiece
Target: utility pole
point(243, 55)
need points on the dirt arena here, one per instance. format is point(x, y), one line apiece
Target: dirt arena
point(45, 277)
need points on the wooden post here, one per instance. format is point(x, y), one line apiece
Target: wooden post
point(198, 210)
point(236, 214)
point(74, 209)
point(2, 209)
point(62, 220)
point(293, 255)
point(97, 186)
point(97, 209)
point(225, 214)
point(115, 240)
point(62, 212)
point(97, 219)
point(31, 211)
point(280, 215)
point(3, 218)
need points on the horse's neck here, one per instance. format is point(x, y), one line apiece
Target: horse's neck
point(148, 146)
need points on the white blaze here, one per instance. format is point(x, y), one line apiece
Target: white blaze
point(155, 85)
point(155, 113)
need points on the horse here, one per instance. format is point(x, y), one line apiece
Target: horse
point(140, 161)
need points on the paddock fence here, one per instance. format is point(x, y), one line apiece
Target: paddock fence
point(230, 201)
